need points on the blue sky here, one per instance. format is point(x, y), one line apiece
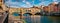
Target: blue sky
point(27, 3)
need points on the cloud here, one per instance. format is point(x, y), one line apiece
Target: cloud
point(54, 0)
point(28, 4)
point(18, 4)
point(45, 3)
point(12, 4)
point(23, 1)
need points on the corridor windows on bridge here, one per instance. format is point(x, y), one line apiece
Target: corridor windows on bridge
point(28, 11)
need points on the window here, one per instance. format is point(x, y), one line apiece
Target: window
point(28, 10)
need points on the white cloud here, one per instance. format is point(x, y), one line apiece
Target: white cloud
point(45, 3)
point(28, 4)
point(12, 4)
point(17, 4)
